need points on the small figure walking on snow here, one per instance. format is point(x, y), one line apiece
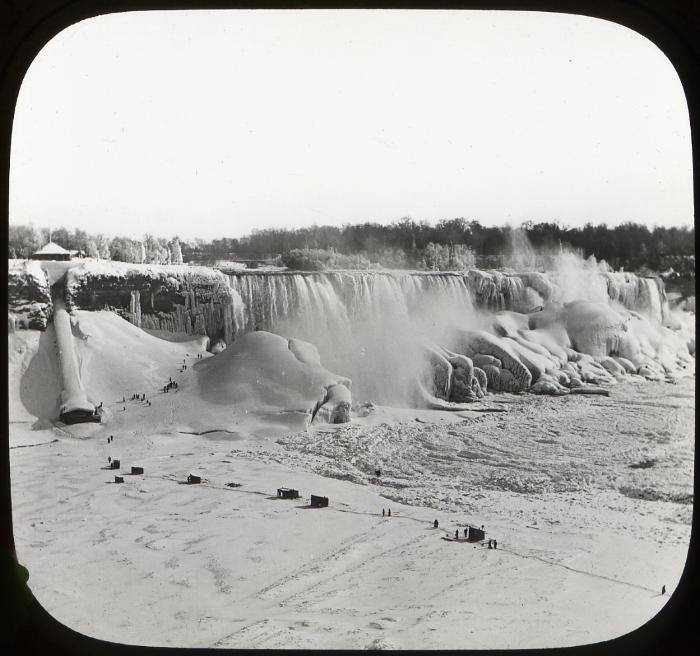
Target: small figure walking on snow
point(389, 512)
point(435, 524)
point(383, 513)
point(663, 589)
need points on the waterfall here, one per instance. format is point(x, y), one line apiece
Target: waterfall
point(644, 295)
point(366, 325)
point(335, 300)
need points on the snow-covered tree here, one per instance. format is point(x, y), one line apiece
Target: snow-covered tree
point(175, 251)
point(91, 249)
point(103, 247)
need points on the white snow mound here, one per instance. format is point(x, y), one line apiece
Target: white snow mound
point(261, 372)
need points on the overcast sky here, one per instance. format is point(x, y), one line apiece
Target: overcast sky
point(215, 123)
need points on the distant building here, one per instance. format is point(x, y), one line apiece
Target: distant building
point(318, 502)
point(51, 252)
point(475, 534)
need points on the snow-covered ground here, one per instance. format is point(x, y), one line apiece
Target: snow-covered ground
point(590, 500)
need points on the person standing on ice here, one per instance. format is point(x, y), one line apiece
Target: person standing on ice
point(389, 512)
point(456, 534)
point(495, 544)
point(383, 512)
point(435, 524)
point(490, 546)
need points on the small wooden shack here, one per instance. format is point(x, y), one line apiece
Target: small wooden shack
point(115, 464)
point(193, 479)
point(318, 502)
point(118, 479)
point(475, 534)
point(137, 470)
point(287, 493)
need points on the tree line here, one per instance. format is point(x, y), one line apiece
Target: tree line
point(23, 240)
point(406, 243)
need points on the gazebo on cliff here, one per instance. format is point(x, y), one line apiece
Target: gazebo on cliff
point(51, 251)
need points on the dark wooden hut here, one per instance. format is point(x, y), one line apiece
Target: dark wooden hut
point(475, 534)
point(318, 502)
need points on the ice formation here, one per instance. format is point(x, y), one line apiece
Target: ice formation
point(263, 372)
point(437, 339)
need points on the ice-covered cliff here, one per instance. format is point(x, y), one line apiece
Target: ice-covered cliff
point(28, 295)
point(174, 298)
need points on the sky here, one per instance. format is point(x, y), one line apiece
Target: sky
point(215, 123)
